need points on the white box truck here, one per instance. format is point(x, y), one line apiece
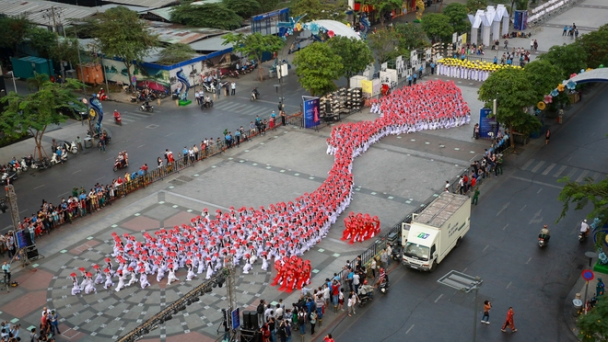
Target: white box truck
point(435, 231)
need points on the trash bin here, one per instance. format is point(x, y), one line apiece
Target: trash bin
point(88, 143)
point(577, 304)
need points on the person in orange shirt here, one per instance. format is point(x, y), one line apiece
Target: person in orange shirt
point(509, 321)
point(487, 306)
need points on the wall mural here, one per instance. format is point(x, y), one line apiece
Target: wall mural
point(154, 78)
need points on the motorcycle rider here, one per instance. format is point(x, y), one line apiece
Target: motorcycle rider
point(545, 234)
point(383, 277)
point(585, 228)
point(366, 290)
point(255, 92)
point(147, 105)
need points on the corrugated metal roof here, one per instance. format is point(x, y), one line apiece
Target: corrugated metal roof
point(39, 12)
point(210, 44)
point(164, 13)
point(145, 3)
point(174, 33)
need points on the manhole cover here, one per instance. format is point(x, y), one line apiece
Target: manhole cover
point(152, 126)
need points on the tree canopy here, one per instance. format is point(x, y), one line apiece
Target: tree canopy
point(383, 6)
point(14, 29)
point(543, 76)
point(121, 33)
point(593, 326)
point(211, 15)
point(595, 45)
point(474, 5)
point(319, 10)
point(35, 111)
point(317, 67)
point(457, 13)
point(569, 58)
point(513, 92)
point(582, 194)
point(355, 54)
point(384, 42)
point(176, 53)
point(254, 45)
point(411, 36)
point(243, 8)
point(437, 27)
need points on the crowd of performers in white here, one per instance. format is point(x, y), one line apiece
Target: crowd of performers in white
point(281, 232)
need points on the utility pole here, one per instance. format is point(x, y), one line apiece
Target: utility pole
point(231, 289)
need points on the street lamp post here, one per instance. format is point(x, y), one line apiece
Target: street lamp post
point(466, 283)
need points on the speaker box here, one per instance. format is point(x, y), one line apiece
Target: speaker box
point(32, 252)
point(248, 319)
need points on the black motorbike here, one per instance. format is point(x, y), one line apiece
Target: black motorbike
point(207, 103)
point(364, 298)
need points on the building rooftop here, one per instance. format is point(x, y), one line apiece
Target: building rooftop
point(40, 12)
point(175, 33)
point(150, 4)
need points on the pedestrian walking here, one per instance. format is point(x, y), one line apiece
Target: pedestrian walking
point(509, 321)
point(535, 45)
point(373, 267)
point(487, 306)
point(532, 44)
point(565, 30)
point(233, 87)
point(79, 144)
point(507, 44)
point(197, 97)
point(432, 68)
point(547, 136)
point(409, 80)
point(313, 321)
point(351, 305)
point(575, 33)
point(282, 114)
point(389, 254)
point(383, 258)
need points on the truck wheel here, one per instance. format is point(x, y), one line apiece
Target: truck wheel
point(433, 267)
point(458, 242)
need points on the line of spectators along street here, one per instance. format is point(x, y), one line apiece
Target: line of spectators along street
point(278, 323)
point(82, 203)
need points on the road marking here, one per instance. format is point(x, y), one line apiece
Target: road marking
point(75, 172)
point(539, 190)
point(438, 298)
point(571, 173)
point(168, 134)
point(537, 167)
point(485, 248)
point(559, 172)
point(548, 169)
point(60, 195)
point(528, 260)
point(527, 164)
point(522, 208)
point(408, 330)
point(503, 208)
point(142, 145)
point(465, 269)
point(100, 178)
point(39, 186)
point(509, 284)
point(535, 182)
point(505, 227)
point(582, 176)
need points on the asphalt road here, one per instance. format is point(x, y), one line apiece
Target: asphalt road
point(146, 137)
point(501, 249)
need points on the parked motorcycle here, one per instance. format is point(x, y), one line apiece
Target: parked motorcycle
point(8, 177)
point(209, 87)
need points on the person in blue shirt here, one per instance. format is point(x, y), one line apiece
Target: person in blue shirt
point(409, 80)
point(432, 68)
point(228, 140)
point(420, 72)
point(508, 61)
point(237, 138)
point(495, 60)
point(415, 77)
point(185, 154)
point(565, 30)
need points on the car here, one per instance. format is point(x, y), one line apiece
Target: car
point(76, 110)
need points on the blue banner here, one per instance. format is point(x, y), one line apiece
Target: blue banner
point(487, 124)
point(520, 20)
point(311, 112)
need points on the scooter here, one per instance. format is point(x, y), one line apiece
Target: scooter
point(102, 95)
point(207, 103)
point(117, 118)
point(8, 177)
point(208, 88)
point(254, 95)
point(119, 164)
point(70, 147)
point(383, 287)
point(41, 164)
point(55, 159)
point(364, 298)
point(542, 242)
point(582, 237)
point(147, 107)
point(29, 162)
point(23, 165)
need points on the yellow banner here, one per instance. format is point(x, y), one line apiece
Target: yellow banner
point(366, 86)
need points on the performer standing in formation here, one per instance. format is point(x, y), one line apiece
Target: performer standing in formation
point(359, 228)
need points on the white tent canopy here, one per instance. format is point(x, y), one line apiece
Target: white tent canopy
point(337, 27)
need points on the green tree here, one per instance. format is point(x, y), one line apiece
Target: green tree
point(457, 13)
point(595, 45)
point(569, 58)
point(474, 5)
point(319, 10)
point(437, 27)
point(243, 8)
point(317, 67)
point(411, 36)
point(34, 112)
point(513, 93)
point(383, 43)
point(582, 194)
point(593, 326)
point(206, 15)
point(14, 29)
point(176, 53)
point(253, 46)
point(355, 54)
point(121, 33)
point(269, 5)
point(383, 6)
point(543, 76)
point(35, 83)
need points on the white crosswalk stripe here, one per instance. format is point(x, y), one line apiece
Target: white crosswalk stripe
point(557, 170)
